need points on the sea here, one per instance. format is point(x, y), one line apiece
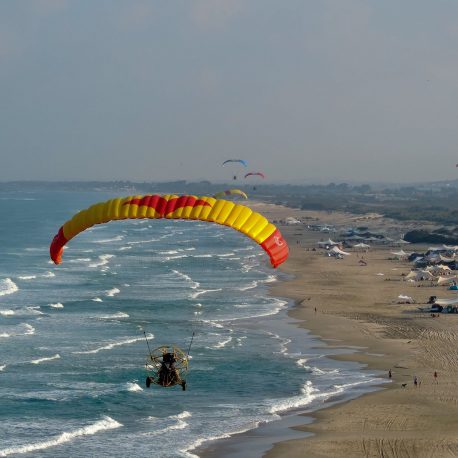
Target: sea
point(72, 337)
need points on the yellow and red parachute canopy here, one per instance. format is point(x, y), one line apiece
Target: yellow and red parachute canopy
point(171, 206)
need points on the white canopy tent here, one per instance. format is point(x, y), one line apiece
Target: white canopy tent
point(327, 243)
point(336, 251)
point(445, 302)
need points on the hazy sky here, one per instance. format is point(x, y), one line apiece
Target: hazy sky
point(304, 90)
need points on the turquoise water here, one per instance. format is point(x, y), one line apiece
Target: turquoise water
point(72, 349)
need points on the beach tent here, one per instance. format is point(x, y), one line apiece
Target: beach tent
point(402, 299)
point(436, 249)
point(361, 247)
point(450, 247)
point(439, 269)
point(445, 302)
point(419, 275)
point(446, 259)
point(401, 254)
point(327, 243)
point(290, 220)
point(337, 251)
point(445, 280)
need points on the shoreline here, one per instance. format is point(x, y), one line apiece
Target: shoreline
point(355, 309)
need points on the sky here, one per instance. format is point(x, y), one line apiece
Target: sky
point(304, 90)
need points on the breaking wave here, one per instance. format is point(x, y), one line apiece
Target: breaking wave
point(112, 292)
point(103, 260)
point(57, 305)
point(48, 274)
point(102, 425)
point(41, 360)
point(203, 291)
point(113, 345)
point(118, 238)
point(115, 316)
point(29, 330)
point(7, 286)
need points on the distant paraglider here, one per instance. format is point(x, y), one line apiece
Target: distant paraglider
point(231, 192)
point(260, 174)
point(240, 161)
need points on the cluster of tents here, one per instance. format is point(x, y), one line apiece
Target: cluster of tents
point(437, 265)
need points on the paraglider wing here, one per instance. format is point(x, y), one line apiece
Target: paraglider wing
point(254, 174)
point(171, 206)
point(236, 160)
point(230, 192)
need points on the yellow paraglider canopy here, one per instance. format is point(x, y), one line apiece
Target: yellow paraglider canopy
point(171, 206)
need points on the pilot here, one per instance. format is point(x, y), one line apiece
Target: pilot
point(167, 373)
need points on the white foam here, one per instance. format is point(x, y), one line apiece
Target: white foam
point(225, 255)
point(182, 415)
point(123, 248)
point(102, 425)
point(248, 248)
point(221, 344)
point(308, 394)
point(115, 316)
point(2, 367)
point(97, 299)
point(178, 256)
point(48, 274)
point(58, 305)
point(204, 291)
point(27, 277)
point(187, 452)
point(193, 284)
point(112, 292)
point(142, 241)
point(35, 310)
point(28, 331)
point(112, 345)
point(7, 312)
point(41, 360)
point(301, 362)
point(7, 286)
point(179, 423)
point(132, 386)
point(213, 324)
point(77, 260)
point(103, 260)
point(252, 285)
point(202, 256)
point(118, 238)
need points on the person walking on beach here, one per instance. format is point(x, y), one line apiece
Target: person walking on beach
point(389, 374)
point(415, 381)
point(435, 377)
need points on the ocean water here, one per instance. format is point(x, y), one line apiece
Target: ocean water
point(72, 349)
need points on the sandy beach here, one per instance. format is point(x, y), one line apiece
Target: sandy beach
point(357, 307)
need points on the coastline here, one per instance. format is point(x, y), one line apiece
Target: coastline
point(355, 310)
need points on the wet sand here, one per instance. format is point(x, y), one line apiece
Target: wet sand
point(357, 308)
